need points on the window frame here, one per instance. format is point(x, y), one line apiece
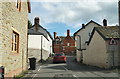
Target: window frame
point(15, 42)
point(18, 4)
point(68, 44)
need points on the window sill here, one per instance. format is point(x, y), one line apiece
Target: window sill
point(14, 53)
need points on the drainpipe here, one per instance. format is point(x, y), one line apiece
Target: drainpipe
point(41, 48)
point(80, 49)
point(80, 42)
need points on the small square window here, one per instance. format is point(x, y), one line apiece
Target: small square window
point(68, 44)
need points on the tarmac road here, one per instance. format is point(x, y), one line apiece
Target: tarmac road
point(70, 70)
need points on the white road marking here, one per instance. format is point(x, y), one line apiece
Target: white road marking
point(34, 76)
point(75, 76)
point(65, 68)
point(39, 68)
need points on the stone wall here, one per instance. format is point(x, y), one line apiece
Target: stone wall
point(36, 53)
point(13, 19)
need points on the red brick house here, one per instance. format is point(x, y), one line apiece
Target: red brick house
point(63, 44)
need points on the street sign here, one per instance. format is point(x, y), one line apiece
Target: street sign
point(112, 47)
point(112, 42)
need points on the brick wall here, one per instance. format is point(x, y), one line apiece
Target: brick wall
point(12, 18)
point(57, 48)
point(63, 45)
point(68, 48)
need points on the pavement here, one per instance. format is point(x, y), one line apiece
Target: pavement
point(30, 73)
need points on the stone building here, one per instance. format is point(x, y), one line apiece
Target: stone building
point(39, 42)
point(64, 44)
point(103, 47)
point(13, 36)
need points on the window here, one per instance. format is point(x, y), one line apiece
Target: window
point(89, 34)
point(15, 42)
point(18, 4)
point(63, 48)
point(68, 44)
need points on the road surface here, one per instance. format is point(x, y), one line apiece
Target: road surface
point(70, 70)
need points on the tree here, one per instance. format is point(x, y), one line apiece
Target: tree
point(29, 24)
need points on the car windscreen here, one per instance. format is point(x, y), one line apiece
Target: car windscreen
point(59, 54)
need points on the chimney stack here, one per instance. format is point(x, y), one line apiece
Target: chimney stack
point(68, 32)
point(36, 20)
point(83, 25)
point(104, 22)
point(55, 35)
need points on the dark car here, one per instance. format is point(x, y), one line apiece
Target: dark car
point(59, 57)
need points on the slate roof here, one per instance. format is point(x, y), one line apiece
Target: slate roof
point(63, 37)
point(40, 30)
point(86, 25)
point(33, 32)
point(107, 32)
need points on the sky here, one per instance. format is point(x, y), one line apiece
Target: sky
point(60, 15)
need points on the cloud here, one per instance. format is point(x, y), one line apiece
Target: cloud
point(73, 14)
point(72, 0)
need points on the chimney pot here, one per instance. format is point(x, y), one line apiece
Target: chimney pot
point(36, 20)
point(83, 25)
point(104, 22)
point(68, 32)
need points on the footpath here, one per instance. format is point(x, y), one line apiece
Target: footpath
point(30, 74)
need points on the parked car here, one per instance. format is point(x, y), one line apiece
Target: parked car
point(59, 57)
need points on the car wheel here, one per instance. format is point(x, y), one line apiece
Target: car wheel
point(64, 61)
point(53, 62)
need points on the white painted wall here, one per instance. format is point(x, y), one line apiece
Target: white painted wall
point(34, 41)
point(96, 53)
point(34, 46)
point(50, 44)
point(45, 44)
point(84, 34)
